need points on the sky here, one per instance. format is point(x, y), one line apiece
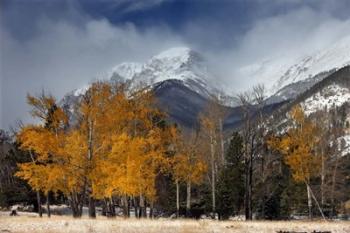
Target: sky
point(60, 45)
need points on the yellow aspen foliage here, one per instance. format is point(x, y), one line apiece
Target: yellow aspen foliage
point(117, 146)
point(40, 105)
point(44, 143)
point(39, 140)
point(45, 109)
point(131, 167)
point(187, 164)
point(74, 162)
point(124, 145)
point(299, 146)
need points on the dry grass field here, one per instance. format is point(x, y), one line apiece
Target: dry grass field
point(58, 224)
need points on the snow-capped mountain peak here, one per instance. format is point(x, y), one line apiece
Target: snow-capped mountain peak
point(180, 63)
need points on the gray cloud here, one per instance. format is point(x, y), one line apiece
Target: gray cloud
point(63, 56)
point(277, 41)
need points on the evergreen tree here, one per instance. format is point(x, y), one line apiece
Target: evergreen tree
point(230, 190)
point(12, 189)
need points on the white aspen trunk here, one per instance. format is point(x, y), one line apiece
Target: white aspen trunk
point(177, 199)
point(212, 150)
point(334, 175)
point(222, 142)
point(309, 200)
point(322, 179)
point(250, 187)
point(317, 204)
point(188, 199)
point(92, 207)
point(90, 140)
point(142, 207)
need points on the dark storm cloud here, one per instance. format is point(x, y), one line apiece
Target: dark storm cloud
point(64, 53)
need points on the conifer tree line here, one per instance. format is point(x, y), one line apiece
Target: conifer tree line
point(121, 151)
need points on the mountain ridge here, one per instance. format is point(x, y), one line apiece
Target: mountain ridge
point(183, 71)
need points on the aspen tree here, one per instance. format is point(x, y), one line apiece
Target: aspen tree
point(299, 146)
point(209, 128)
point(43, 139)
point(116, 148)
point(187, 165)
point(133, 151)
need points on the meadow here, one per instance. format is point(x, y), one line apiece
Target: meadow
point(58, 224)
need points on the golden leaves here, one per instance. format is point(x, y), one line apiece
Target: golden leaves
point(186, 163)
point(118, 146)
point(298, 146)
point(39, 140)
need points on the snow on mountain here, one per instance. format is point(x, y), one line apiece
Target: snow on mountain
point(332, 58)
point(325, 102)
point(332, 92)
point(286, 78)
point(179, 63)
point(126, 70)
point(182, 64)
point(181, 70)
point(292, 90)
point(283, 81)
point(81, 91)
point(329, 97)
